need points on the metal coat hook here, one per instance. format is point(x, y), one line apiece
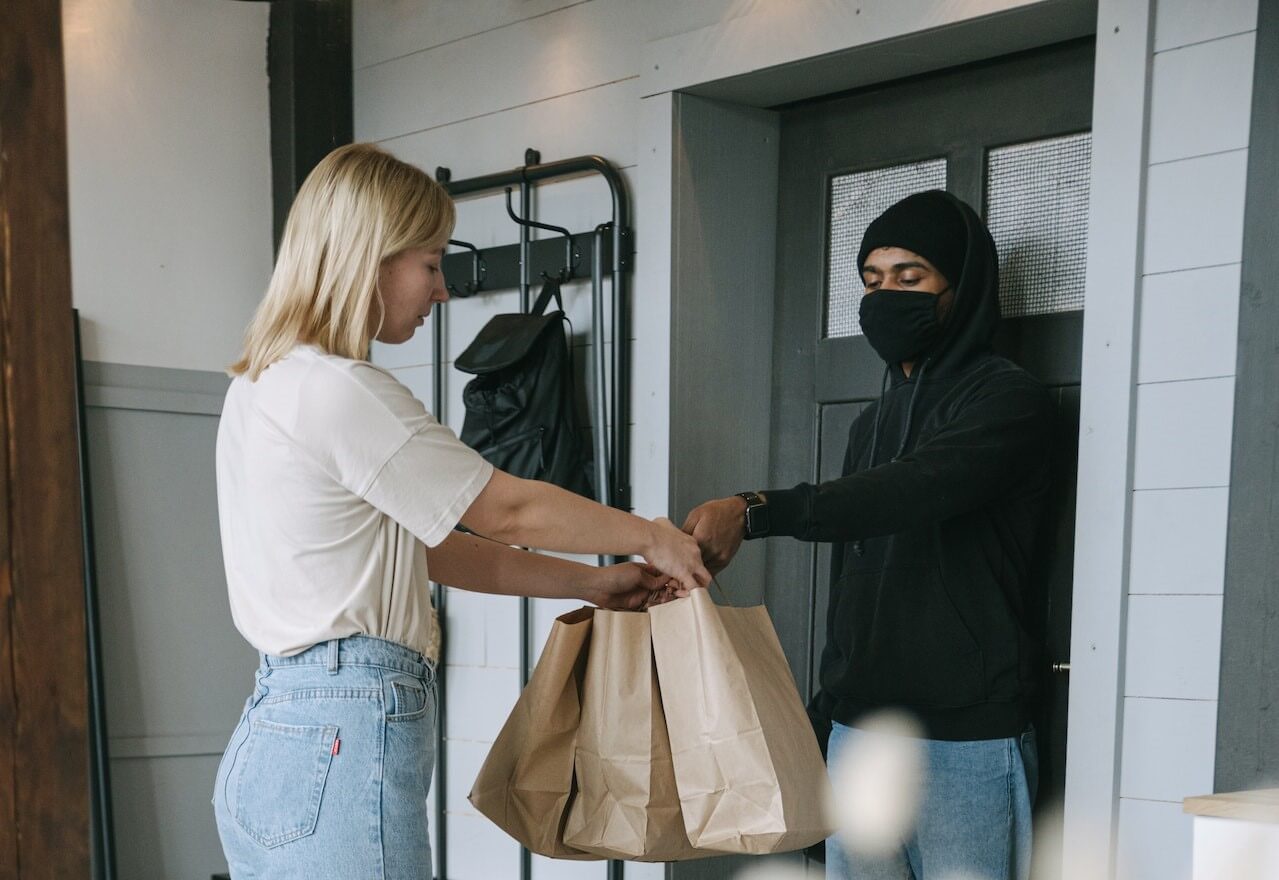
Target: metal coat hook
point(478, 271)
point(572, 256)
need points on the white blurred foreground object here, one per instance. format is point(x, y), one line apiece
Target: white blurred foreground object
point(878, 784)
point(1236, 835)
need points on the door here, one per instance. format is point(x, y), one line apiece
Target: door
point(1010, 137)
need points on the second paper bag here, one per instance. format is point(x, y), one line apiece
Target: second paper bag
point(747, 765)
point(626, 805)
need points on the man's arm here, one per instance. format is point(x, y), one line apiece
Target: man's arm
point(997, 444)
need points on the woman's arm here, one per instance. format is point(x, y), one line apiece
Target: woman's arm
point(474, 563)
point(536, 514)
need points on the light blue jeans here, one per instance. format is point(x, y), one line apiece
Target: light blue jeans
point(328, 772)
point(974, 819)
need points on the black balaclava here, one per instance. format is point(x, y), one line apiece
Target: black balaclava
point(926, 223)
point(904, 325)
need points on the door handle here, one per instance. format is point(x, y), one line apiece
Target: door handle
point(1062, 667)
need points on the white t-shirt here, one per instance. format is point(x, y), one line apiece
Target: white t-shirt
point(332, 481)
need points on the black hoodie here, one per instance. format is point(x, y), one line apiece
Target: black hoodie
point(934, 534)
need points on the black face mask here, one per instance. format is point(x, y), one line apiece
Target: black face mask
point(900, 325)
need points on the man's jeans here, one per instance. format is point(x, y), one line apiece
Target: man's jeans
point(974, 819)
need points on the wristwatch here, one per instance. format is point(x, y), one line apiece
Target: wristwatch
point(756, 515)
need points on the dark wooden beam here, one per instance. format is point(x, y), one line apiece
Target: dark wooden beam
point(44, 748)
point(309, 64)
point(1248, 707)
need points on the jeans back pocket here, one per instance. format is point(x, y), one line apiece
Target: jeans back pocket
point(284, 767)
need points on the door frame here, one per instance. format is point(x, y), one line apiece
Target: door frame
point(44, 705)
point(703, 125)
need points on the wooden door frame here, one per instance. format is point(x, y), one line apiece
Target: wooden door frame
point(309, 69)
point(44, 710)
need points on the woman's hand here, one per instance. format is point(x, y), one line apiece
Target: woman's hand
point(628, 587)
point(677, 554)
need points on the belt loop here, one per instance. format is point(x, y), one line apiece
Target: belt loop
point(333, 656)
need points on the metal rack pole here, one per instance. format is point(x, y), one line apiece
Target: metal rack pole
point(526, 237)
point(603, 483)
point(526, 270)
point(440, 598)
point(621, 459)
point(531, 157)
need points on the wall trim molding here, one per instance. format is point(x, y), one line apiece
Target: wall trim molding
point(154, 389)
point(1107, 433)
point(763, 59)
point(193, 745)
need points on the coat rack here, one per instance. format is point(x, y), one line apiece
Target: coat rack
point(515, 266)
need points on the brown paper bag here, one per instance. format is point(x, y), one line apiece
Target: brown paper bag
point(526, 783)
point(627, 806)
point(747, 765)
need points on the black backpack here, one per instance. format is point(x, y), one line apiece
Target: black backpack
point(520, 407)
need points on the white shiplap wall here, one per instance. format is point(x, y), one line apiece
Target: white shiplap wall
point(169, 166)
point(1198, 149)
point(470, 86)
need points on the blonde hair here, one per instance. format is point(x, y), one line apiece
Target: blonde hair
point(357, 207)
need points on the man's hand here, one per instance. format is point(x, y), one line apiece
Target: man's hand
point(719, 527)
point(677, 554)
point(629, 586)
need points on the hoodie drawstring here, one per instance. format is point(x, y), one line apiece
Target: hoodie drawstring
point(874, 437)
point(858, 547)
point(910, 411)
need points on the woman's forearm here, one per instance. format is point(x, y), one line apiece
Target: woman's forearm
point(536, 514)
point(474, 563)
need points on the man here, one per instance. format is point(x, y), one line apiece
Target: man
point(933, 521)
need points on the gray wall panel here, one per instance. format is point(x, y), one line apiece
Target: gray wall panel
point(723, 250)
point(175, 665)
point(1247, 732)
point(176, 670)
point(163, 819)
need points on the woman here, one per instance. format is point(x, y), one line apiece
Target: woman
point(338, 495)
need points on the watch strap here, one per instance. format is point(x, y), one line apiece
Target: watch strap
point(756, 519)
